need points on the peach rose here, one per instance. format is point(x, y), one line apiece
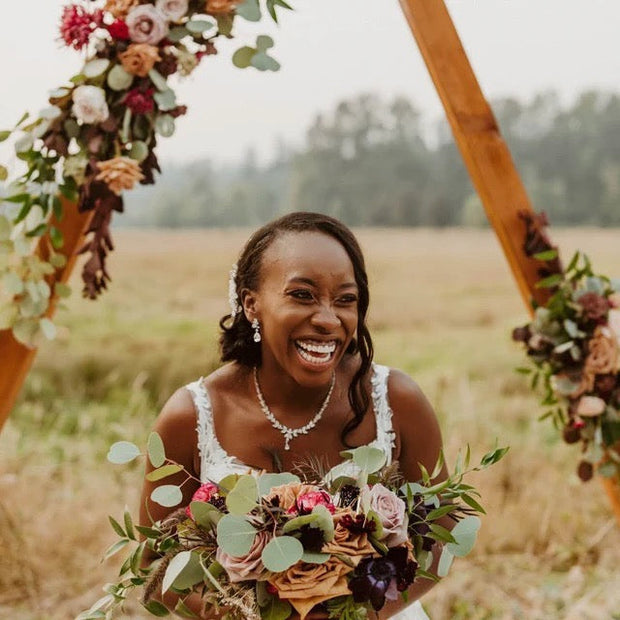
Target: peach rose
point(392, 512)
point(288, 493)
point(120, 8)
point(590, 406)
point(119, 173)
point(602, 352)
point(353, 545)
point(139, 59)
point(305, 585)
point(249, 566)
point(220, 7)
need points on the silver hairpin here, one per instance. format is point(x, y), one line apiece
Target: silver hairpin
point(233, 298)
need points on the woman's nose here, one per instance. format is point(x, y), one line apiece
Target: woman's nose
point(325, 318)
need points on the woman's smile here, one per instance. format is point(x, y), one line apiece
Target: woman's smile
point(316, 352)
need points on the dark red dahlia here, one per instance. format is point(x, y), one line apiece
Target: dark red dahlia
point(595, 306)
point(119, 30)
point(77, 24)
point(140, 101)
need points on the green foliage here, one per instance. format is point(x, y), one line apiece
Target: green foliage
point(281, 552)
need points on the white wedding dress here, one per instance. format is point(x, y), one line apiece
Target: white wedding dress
point(216, 463)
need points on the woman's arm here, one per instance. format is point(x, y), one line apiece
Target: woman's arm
point(418, 441)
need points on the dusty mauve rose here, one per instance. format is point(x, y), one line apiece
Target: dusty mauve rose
point(306, 585)
point(172, 9)
point(353, 545)
point(89, 104)
point(246, 567)
point(288, 493)
point(602, 352)
point(139, 58)
point(120, 8)
point(119, 173)
point(594, 306)
point(146, 24)
point(392, 512)
point(221, 7)
point(590, 406)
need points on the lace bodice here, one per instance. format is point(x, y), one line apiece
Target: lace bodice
point(215, 462)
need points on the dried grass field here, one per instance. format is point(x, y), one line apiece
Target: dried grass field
point(443, 304)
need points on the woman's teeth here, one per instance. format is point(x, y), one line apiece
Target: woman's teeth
point(314, 352)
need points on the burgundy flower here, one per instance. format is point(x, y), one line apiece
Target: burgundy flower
point(77, 24)
point(119, 30)
point(376, 579)
point(585, 471)
point(595, 306)
point(140, 102)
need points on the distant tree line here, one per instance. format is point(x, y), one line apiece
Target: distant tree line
point(372, 162)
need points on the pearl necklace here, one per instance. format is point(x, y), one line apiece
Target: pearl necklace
point(291, 433)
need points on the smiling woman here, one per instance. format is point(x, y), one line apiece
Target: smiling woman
point(298, 381)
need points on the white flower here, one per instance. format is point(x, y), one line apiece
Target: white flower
point(89, 104)
point(172, 9)
point(590, 406)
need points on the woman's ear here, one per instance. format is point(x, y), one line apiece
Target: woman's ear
point(249, 303)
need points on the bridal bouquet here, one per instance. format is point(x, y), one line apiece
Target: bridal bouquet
point(261, 546)
point(573, 343)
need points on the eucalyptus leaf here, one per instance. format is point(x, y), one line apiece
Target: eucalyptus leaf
point(464, 533)
point(123, 452)
point(235, 535)
point(325, 521)
point(166, 100)
point(167, 495)
point(183, 572)
point(249, 10)
point(298, 522)
point(266, 482)
point(205, 514)
point(118, 79)
point(48, 328)
point(281, 552)
point(445, 562)
point(264, 42)
point(96, 67)
point(177, 34)
point(315, 558)
point(243, 497)
point(163, 472)
point(263, 62)
point(155, 450)
point(164, 125)
point(159, 80)
point(367, 458)
point(4, 135)
point(242, 58)
point(4, 173)
point(198, 26)
point(139, 150)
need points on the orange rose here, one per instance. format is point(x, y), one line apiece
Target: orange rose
point(306, 585)
point(353, 545)
point(120, 8)
point(119, 173)
point(139, 59)
point(602, 352)
point(220, 7)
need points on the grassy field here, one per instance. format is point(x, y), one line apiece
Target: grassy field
point(443, 304)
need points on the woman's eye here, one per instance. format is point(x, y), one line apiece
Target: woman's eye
point(301, 294)
point(347, 299)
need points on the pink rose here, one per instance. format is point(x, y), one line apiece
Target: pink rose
point(392, 512)
point(249, 566)
point(203, 494)
point(307, 501)
point(590, 406)
point(146, 24)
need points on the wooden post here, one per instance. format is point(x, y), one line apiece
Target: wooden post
point(477, 135)
point(484, 152)
point(15, 358)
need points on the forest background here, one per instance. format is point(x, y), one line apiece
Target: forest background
point(376, 162)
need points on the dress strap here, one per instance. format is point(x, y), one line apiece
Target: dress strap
point(212, 455)
point(383, 412)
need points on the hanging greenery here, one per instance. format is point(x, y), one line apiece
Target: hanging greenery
point(99, 135)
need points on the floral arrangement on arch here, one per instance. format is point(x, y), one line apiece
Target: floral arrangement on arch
point(573, 343)
point(264, 545)
point(98, 137)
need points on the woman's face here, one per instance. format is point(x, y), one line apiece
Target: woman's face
point(307, 305)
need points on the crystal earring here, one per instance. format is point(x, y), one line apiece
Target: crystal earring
point(256, 328)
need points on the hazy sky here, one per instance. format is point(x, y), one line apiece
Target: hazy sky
point(331, 49)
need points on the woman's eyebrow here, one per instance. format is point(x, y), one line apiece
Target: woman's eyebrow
point(311, 282)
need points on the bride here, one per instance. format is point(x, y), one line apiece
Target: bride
point(298, 378)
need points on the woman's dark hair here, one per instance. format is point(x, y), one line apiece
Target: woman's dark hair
point(236, 342)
